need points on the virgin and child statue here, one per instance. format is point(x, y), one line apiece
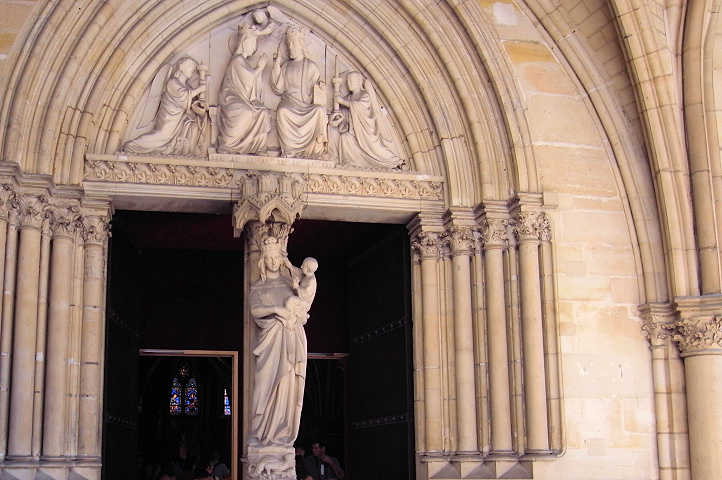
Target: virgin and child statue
point(279, 305)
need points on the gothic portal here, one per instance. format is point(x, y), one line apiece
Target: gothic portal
point(522, 194)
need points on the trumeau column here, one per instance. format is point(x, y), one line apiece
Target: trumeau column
point(95, 230)
point(495, 242)
point(425, 234)
point(669, 391)
point(270, 203)
point(64, 222)
point(31, 211)
point(699, 337)
point(527, 230)
point(460, 233)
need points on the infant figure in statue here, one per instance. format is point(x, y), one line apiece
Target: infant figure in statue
point(304, 283)
point(301, 123)
point(280, 347)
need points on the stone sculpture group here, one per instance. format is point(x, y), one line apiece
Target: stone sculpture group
point(355, 132)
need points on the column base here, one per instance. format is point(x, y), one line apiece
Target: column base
point(271, 462)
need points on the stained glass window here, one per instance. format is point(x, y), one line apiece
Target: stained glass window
point(191, 397)
point(226, 403)
point(184, 393)
point(175, 397)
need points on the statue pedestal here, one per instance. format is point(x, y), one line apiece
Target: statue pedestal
point(277, 463)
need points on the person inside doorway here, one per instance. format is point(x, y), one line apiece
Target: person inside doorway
point(320, 466)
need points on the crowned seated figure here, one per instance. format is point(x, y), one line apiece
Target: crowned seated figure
point(301, 123)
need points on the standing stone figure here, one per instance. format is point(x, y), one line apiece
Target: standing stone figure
point(301, 124)
point(365, 138)
point(280, 351)
point(244, 122)
point(178, 122)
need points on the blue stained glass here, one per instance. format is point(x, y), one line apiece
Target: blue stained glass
point(226, 403)
point(191, 398)
point(175, 398)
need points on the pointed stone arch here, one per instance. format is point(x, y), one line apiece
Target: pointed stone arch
point(450, 109)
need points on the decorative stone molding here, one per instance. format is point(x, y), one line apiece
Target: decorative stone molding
point(461, 240)
point(494, 231)
point(31, 209)
point(182, 171)
point(698, 335)
point(7, 196)
point(65, 220)
point(659, 319)
point(529, 225)
point(545, 229)
point(95, 229)
point(396, 195)
point(374, 187)
point(268, 195)
point(427, 244)
point(153, 173)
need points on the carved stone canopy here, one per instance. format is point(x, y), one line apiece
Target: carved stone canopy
point(268, 196)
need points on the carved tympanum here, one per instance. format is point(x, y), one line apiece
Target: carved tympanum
point(179, 121)
point(365, 138)
point(243, 120)
point(301, 120)
point(265, 107)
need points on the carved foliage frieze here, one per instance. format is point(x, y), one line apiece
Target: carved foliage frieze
point(374, 187)
point(158, 174)
point(347, 184)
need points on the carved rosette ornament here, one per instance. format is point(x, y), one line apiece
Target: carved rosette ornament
point(698, 335)
point(31, 210)
point(493, 231)
point(95, 229)
point(268, 196)
point(427, 244)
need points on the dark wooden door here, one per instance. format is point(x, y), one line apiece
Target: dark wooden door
point(120, 403)
point(379, 366)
